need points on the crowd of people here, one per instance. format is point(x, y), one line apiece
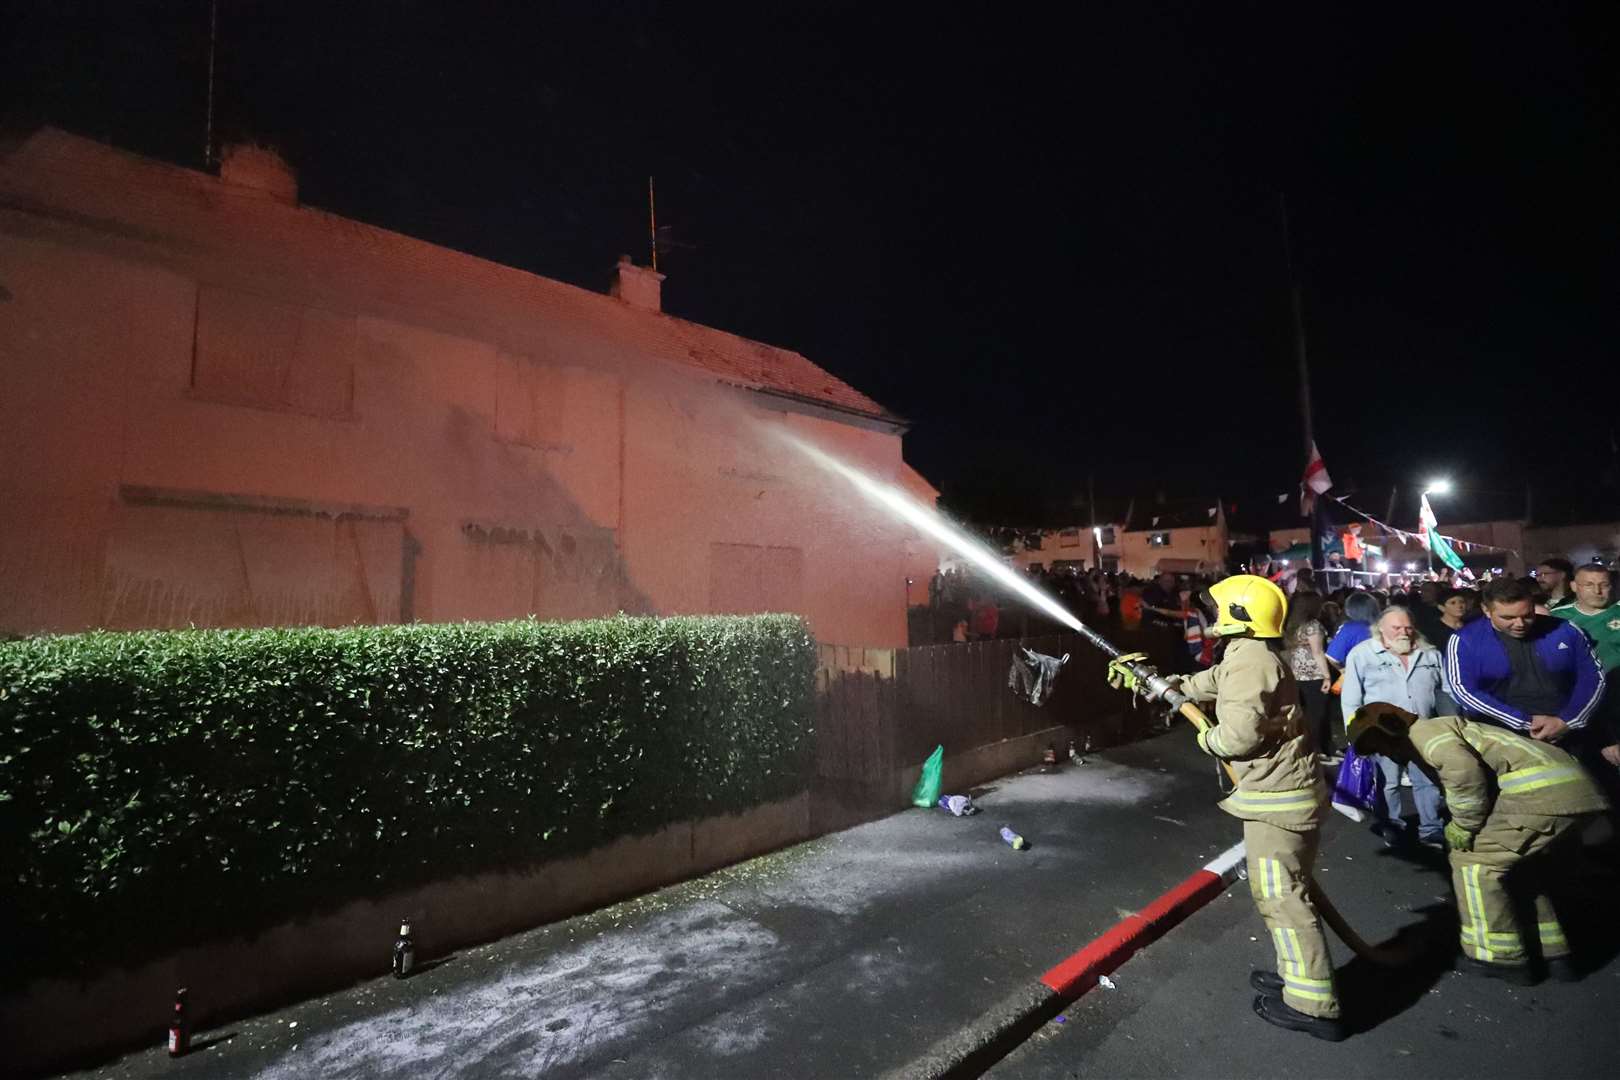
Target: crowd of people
point(967, 606)
point(1532, 655)
point(1508, 738)
point(1535, 654)
point(1495, 702)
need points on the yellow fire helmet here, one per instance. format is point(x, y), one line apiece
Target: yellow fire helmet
point(1250, 605)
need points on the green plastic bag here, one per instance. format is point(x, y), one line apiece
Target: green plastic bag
point(926, 793)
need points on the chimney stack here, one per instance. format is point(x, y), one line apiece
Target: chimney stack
point(637, 285)
point(260, 170)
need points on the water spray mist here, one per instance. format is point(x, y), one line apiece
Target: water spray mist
point(932, 523)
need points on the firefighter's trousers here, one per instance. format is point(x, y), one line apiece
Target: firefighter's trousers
point(1490, 926)
point(1279, 875)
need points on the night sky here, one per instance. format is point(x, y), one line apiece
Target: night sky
point(1050, 241)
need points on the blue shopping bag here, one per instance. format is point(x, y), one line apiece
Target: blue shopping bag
point(1356, 786)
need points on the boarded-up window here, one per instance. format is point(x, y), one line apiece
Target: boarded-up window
point(551, 572)
point(529, 401)
point(251, 350)
point(176, 566)
point(747, 578)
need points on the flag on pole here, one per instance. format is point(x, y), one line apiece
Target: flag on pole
point(1315, 481)
point(1432, 538)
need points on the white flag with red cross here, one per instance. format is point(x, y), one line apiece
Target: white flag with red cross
point(1315, 481)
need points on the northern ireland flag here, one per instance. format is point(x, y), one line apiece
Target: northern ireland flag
point(1431, 537)
point(1315, 481)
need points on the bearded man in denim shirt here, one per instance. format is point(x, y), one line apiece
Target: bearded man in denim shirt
point(1395, 664)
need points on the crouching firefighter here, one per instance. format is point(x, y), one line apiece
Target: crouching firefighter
point(1517, 808)
point(1280, 797)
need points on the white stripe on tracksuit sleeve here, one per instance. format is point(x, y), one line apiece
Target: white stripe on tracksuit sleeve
point(1579, 719)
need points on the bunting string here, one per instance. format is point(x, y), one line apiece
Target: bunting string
point(1409, 537)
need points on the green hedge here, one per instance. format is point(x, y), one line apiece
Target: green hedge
point(164, 787)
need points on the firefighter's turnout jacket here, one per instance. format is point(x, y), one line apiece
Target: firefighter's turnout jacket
point(1260, 732)
point(1518, 796)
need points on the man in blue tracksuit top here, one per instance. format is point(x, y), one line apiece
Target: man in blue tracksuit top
point(1534, 674)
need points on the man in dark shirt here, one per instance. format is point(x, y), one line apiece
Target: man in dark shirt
point(1531, 673)
point(1162, 613)
point(1529, 687)
point(1553, 576)
point(1161, 600)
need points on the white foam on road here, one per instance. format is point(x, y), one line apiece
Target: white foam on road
point(1098, 783)
point(856, 880)
point(612, 995)
point(532, 1021)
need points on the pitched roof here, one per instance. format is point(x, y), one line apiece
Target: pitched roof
point(199, 221)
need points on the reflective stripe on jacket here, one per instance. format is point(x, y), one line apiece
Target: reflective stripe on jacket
point(1486, 769)
point(1259, 730)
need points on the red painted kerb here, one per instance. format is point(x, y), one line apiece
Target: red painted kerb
point(1079, 972)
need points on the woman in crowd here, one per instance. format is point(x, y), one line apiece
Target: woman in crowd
point(1331, 617)
point(1304, 640)
point(1361, 610)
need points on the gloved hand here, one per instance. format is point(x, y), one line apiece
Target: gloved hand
point(1120, 675)
point(1458, 838)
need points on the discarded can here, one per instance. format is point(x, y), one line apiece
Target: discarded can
point(1049, 755)
point(179, 1026)
point(960, 805)
point(1018, 842)
point(404, 951)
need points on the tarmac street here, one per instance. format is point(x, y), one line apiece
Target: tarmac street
point(1183, 1007)
point(883, 949)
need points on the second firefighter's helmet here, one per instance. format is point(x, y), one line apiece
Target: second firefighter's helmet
point(1246, 604)
point(1391, 721)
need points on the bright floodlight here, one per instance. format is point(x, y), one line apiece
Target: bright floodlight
point(1383, 568)
point(1441, 486)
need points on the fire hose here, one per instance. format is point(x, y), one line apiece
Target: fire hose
point(1152, 686)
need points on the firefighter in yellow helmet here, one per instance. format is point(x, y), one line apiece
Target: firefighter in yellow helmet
point(1280, 797)
point(1513, 801)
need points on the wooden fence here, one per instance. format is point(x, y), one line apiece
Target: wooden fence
point(880, 711)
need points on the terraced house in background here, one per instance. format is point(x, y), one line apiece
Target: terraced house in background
point(223, 408)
